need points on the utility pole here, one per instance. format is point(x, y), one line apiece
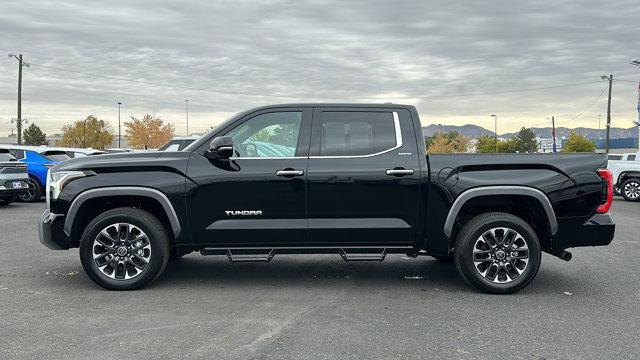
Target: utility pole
point(19, 119)
point(553, 133)
point(119, 146)
point(186, 102)
point(610, 78)
point(495, 132)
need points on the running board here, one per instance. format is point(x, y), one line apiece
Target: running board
point(260, 254)
point(372, 255)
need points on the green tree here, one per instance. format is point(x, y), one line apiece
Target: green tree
point(34, 136)
point(90, 132)
point(486, 144)
point(578, 143)
point(526, 141)
point(508, 146)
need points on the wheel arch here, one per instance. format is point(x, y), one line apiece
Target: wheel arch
point(626, 175)
point(148, 199)
point(493, 197)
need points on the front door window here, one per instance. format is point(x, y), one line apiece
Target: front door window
point(267, 135)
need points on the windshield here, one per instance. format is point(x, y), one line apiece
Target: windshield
point(57, 157)
point(6, 157)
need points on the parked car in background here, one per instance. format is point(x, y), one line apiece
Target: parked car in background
point(13, 178)
point(178, 143)
point(76, 152)
point(116, 150)
point(38, 160)
point(626, 176)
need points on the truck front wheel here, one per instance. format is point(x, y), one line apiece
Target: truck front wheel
point(497, 253)
point(124, 249)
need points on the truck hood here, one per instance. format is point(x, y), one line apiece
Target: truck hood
point(177, 161)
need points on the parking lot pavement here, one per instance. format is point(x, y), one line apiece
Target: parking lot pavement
point(299, 307)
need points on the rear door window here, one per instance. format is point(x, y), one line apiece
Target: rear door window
point(358, 133)
point(631, 157)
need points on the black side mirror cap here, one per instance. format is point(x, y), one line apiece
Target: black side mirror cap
point(221, 147)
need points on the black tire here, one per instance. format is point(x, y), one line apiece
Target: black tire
point(444, 259)
point(35, 191)
point(7, 200)
point(630, 189)
point(466, 243)
point(158, 243)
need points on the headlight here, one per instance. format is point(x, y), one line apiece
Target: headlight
point(57, 180)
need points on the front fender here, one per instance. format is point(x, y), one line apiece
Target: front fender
point(122, 191)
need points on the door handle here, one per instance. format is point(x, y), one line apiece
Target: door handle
point(399, 172)
point(289, 172)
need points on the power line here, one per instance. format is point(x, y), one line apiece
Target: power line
point(309, 97)
point(591, 104)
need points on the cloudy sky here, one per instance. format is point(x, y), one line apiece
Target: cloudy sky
point(457, 61)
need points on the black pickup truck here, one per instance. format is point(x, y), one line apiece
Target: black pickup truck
point(348, 179)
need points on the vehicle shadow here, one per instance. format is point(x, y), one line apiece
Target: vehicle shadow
point(308, 270)
point(424, 274)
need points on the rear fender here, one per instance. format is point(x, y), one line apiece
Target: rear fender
point(500, 190)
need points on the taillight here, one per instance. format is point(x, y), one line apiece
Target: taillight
point(605, 205)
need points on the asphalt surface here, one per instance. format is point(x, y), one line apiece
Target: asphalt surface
point(316, 307)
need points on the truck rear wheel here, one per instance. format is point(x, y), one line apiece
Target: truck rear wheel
point(497, 253)
point(124, 249)
point(630, 189)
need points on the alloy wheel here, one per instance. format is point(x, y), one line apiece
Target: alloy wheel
point(30, 194)
point(500, 255)
point(632, 190)
point(121, 251)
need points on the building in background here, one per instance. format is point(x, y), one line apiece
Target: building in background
point(620, 146)
point(545, 145)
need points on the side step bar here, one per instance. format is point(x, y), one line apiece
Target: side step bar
point(266, 254)
point(363, 256)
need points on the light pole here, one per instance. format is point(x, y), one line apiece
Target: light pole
point(636, 62)
point(610, 79)
point(119, 103)
point(495, 133)
point(19, 118)
point(186, 102)
point(637, 123)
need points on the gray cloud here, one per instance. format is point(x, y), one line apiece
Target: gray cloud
point(323, 49)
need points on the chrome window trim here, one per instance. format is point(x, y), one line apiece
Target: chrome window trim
point(398, 130)
point(269, 158)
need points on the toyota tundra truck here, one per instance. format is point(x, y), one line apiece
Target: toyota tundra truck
point(347, 179)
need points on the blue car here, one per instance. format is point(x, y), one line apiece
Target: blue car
point(38, 159)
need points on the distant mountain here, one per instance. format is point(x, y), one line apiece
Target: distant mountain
point(468, 130)
point(475, 131)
